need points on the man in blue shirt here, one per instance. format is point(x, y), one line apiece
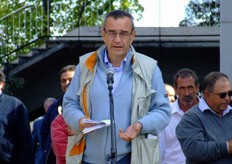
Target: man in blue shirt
point(140, 102)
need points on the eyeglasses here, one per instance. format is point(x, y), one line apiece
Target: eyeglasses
point(223, 94)
point(122, 34)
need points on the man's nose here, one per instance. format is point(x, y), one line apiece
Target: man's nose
point(187, 93)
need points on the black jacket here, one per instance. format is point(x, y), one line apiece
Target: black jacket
point(46, 142)
point(15, 134)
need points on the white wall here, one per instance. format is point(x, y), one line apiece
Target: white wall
point(226, 38)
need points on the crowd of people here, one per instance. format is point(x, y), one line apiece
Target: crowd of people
point(188, 128)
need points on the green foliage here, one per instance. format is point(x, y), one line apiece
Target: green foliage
point(13, 84)
point(26, 24)
point(71, 14)
point(202, 13)
point(20, 25)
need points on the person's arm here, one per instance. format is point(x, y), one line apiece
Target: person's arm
point(190, 134)
point(45, 128)
point(159, 114)
point(23, 135)
point(72, 111)
point(59, 136)
point(5, 149)
point(35, 138)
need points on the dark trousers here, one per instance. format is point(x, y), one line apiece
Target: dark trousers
point(124, 160)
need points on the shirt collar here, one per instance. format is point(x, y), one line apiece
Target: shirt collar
point(176, 108)
point(204, 106)
point(109, 65)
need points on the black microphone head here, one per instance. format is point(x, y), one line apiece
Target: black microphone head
point(110, 76)
point(109, 72)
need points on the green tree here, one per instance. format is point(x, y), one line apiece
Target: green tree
point(12, 84)
point(86, 12)
point(25, 24)
point(202, 13)
point(18, 22)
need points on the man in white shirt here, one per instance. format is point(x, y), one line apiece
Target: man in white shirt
point(186, 86)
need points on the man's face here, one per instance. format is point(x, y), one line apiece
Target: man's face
point(1, 85)
point(65, 80)
point(118, 36)
point(213, 99)
point(171, 93)
point(187, 92)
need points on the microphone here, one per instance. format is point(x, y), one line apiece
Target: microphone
point(110, 78)
point(110, 81)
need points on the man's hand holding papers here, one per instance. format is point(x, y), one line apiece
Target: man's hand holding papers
point(98, 125)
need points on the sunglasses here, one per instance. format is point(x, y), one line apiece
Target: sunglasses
point(223, 94)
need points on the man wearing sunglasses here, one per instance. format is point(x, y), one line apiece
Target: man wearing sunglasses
point(204, 132)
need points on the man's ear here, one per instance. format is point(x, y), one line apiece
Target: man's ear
point(206, 94)
point(103, 34)
point(133, 33)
